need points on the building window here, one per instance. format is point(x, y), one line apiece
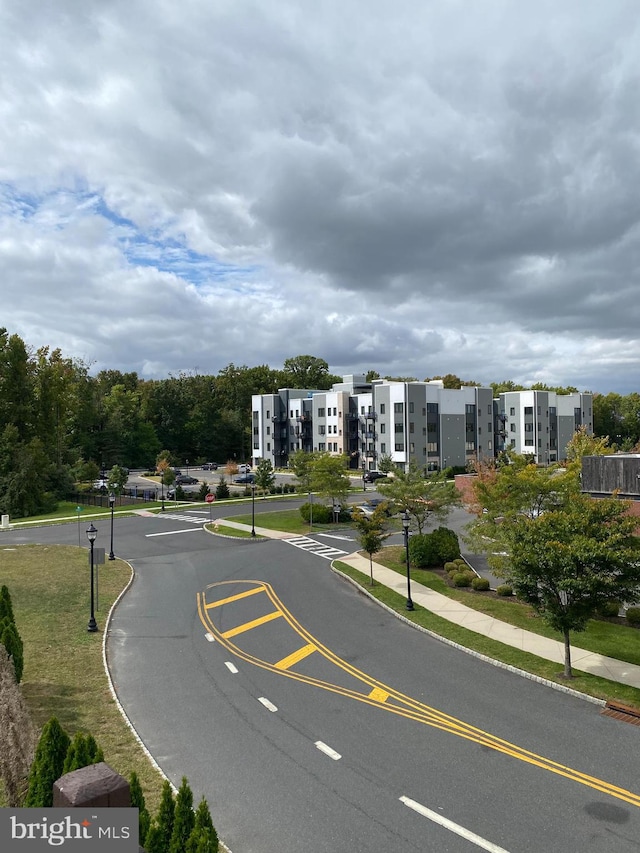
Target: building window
point(411, 408)
point(256, 445)
point(398, 408)
point(528, 410)
point(320, 413)
point(268, 445)
point(411, 427)
point(268, 430)
point(382, 408)
point(399, 446)
point(412, 448)
point(512, 427)
point(528, 427)
point(528, 442)
point(383, 428)
point(383, 448)
point(398, 428)
point(512, 411)
point(321, 429)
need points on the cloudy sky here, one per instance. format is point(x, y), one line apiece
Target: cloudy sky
point(417, 187)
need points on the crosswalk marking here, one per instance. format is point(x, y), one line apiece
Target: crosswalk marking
point(181, 517)
point(314, 547)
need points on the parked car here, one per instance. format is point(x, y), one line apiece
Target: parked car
point(245, 478)
point(170, 493)
point(372, 476)
point(185, 480)
point(244, 469)
point(210, 466)
point(101, 485)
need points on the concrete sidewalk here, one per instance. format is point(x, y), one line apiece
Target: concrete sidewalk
point(526, 641)
point(453, 611)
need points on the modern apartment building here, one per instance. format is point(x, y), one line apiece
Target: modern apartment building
point(541, 422)
point(422, 421)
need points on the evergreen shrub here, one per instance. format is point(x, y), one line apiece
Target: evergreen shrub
point(633, 616)
point(505, 590)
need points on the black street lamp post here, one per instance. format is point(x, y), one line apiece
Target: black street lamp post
point(112, 503)
point(253, 509)
point(162, 484)
point(91, 536)
point(405, 525)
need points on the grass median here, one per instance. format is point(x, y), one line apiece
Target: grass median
point(63, 669)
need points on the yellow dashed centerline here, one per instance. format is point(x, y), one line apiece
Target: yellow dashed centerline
point(240, 629)
point(290, 660)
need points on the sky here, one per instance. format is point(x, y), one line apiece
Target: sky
point(417, 187)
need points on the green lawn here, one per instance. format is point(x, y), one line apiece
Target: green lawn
point(63, 670)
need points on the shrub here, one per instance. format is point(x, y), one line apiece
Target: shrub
point(137, 802)
point(480, 584)
point(448, 566)
point(322, 514)
point(422, 552)
point(47, 765)
point(633, 616)
point(445, 544)
point(609, 608)
point(12, 642)
point(505, 590)
point(82, 751)
point(183, 818)
point(222, 489)
point(462, 579)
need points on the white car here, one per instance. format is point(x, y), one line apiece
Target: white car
point(100, 484)
point(244, 469)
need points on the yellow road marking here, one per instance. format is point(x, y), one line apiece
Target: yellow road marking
point(402, 705)
point(240, 595)
point(240, 629)
point(378, 695)
point(290, 660)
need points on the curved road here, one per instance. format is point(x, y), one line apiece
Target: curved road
point(312, 720)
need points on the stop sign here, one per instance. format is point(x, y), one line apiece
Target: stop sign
point(210, 498)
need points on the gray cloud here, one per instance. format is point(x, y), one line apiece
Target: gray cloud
point(414, 188)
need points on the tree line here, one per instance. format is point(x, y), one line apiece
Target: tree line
point(55, 417)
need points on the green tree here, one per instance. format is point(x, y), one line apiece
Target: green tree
point(47, 765)
point(166, 814)
point(154, 842)
point(83, 751)
point(330, 478)
point(307, 371)
point(184, 818)
point(138, 802)
point(117, 479)
point(265, 476)
point(222, 489)
point(370, 531)
point(301, 463)
point(11, 640)
point(421, 497)
point(203, 838)
point(6, 606)
point(571, 561)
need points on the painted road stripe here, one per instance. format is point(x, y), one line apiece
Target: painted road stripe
point(209, 637)
point(452, 827)
point(268, 705)
point(231, 667)
point(237, 597)
point(328, 751)
point(378, 695)
point(247, 626)
point(171, 532)
point(290, 660)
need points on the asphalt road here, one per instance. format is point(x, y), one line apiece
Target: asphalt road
point(312, 720)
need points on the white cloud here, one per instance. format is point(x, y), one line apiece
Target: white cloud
point(414, 188)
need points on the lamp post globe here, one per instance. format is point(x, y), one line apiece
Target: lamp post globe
point(112, 503)
point(405, 527)
point(92, 532)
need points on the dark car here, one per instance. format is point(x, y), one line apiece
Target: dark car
point(245, 478)
point(185, 480)
point(372, 476)
point(210, 466)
